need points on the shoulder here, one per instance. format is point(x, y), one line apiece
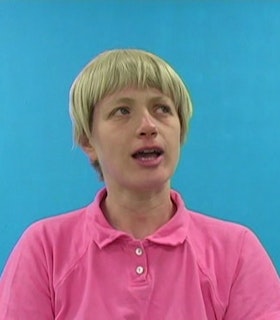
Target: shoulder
point(222, 239)
point(60, 221)
point(204, 230)
point(213, 241)
point(74, 228)
point(214, 229)
point(233, 262)
point(55, 244)
point(217, 243)
point(57, 228)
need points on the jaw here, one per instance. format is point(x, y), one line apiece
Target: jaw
point(142, 180)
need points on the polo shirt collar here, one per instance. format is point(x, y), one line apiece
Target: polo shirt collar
point(172, 233)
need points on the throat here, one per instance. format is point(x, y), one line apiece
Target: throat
point(138, 223)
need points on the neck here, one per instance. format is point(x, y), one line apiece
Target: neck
point(139, 214)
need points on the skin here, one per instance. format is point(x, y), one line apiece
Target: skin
point(138, 192)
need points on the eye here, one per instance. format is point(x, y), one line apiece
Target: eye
point(162, 108)
point(121, 111)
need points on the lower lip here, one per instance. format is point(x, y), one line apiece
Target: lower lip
point(149, 163)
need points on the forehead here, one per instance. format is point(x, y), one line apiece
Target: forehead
point(136, 94)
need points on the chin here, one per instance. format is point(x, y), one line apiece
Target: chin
point(150, 183)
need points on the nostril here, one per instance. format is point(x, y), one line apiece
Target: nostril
point(148, 133)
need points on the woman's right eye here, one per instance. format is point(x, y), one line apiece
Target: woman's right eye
point(121, 111)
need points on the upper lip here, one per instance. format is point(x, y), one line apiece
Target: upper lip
point(148, 148)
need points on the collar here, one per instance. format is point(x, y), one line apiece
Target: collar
point(173, 233)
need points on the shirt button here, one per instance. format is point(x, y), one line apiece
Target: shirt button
point(139, 251)
point(139, 270)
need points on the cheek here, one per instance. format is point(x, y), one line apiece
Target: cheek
point(177, 130)
point(177, 144)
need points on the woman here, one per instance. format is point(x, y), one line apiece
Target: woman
point(136, 252)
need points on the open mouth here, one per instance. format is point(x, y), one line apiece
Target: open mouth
point(148, 154)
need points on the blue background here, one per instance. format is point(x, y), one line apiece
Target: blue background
point(226, 51)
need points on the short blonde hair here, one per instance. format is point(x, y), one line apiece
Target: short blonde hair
point(118, 69)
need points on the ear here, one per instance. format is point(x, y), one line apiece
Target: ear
point(89, 149)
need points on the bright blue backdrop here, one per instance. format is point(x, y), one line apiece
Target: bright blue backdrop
point(227, 52)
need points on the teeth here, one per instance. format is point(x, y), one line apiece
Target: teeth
point(148, 151)
point(151, 151)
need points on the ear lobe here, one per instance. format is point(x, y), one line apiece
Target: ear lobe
point(89, 149)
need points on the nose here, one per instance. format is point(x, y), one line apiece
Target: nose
point(147, 127)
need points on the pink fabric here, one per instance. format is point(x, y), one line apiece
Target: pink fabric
point(76, 266)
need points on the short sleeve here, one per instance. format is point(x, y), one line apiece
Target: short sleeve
point(25, 286)
point(255, 293)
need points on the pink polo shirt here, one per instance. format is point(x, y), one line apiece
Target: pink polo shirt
point(76, 266)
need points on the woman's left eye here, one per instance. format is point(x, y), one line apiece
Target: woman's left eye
point(163, 109)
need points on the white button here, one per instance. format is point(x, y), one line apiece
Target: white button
point(139, 270)
point(139, 251)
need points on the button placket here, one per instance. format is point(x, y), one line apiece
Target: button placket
point(140, 268)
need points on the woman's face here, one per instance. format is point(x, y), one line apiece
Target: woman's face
point(136, 139)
